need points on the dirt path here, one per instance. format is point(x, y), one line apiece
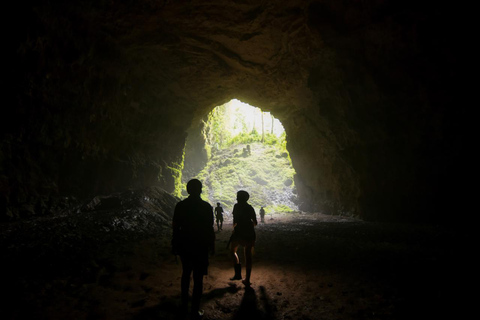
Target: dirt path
point(305, 267)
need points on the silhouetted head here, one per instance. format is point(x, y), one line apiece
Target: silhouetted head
point(194, 187)
point(218, 204)
point(242, 196)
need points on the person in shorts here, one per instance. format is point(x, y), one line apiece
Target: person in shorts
point(244, 222)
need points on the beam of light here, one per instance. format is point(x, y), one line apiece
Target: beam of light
point(239, 112)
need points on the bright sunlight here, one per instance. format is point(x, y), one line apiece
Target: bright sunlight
point(239, 112)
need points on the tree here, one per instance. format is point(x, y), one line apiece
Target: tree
point(254, 110)
point(263, 130)
point(273, 120)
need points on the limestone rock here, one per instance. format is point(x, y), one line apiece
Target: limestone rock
point(106, 94)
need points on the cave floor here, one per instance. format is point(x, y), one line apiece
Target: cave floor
point(306, 266)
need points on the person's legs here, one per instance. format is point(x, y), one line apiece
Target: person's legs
point(187, 268)
point(233, 252)
point(248, 256)
point(248, 263)
point(236, 262)
point(197, 290)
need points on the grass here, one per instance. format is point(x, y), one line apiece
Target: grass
point(266, 174)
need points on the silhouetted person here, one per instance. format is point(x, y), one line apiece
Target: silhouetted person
point(244, 222)
point(193, 238)
point(262, 214)
point(219, 216)
point(249, 152)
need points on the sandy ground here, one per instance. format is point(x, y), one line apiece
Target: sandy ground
point(306, 266)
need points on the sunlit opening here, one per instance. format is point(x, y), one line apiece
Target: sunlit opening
point(242, 116)
point(243, 148)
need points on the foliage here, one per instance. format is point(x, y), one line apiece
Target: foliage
point(245, 138)
point(263, 174)
point(176, 171)
point(215, 131)
point(266, 173)
point(219, 133)
point(281, 208)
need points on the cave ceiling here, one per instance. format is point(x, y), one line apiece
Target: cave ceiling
point(107, 91)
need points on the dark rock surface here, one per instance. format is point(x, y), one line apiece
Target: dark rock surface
point(105, 92)
point(62, 256)
point(75, 243)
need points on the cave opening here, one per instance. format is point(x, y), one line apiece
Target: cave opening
point(241, 147)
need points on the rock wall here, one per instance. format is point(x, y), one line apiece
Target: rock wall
point(105, 93)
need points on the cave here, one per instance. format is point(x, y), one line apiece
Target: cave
point(105, 94)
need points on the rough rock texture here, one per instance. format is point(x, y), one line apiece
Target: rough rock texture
point(105, 93)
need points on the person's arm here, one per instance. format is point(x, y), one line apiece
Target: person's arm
point(254, 217)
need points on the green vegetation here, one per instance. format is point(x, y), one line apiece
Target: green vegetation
point(176, 172)
point(265, 172)
point(280, 208)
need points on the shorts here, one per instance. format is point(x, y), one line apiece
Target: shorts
point(244, 243)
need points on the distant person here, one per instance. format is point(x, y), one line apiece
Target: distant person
point(193, 238)
point(219, 216)
point(244, 222)
point(262, 214)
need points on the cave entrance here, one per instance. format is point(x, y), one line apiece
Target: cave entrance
point(240, 147)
